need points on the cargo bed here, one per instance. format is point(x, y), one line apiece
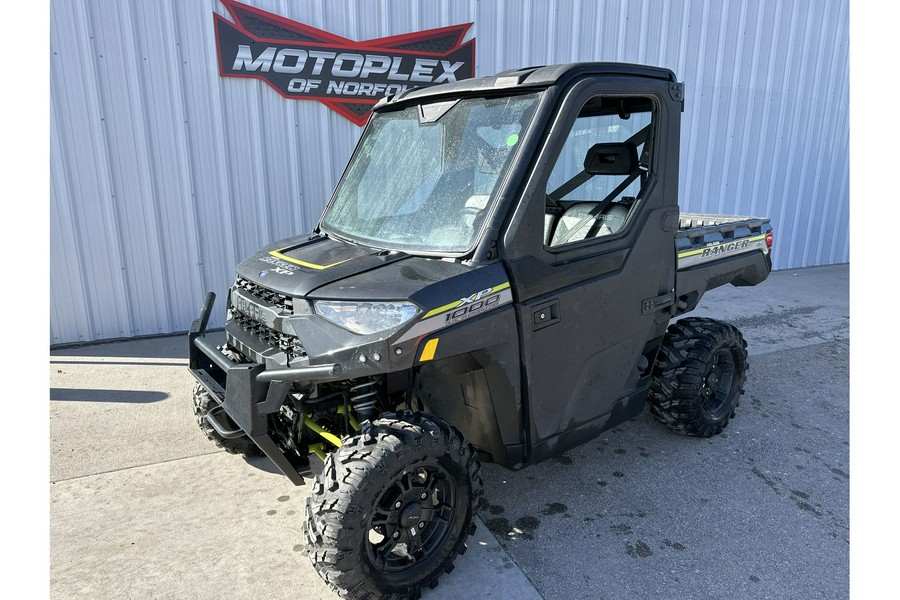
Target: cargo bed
point(713, 250)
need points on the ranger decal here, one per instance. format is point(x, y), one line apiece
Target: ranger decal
point(718, 249)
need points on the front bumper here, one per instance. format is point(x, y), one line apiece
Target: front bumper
point(248, 392)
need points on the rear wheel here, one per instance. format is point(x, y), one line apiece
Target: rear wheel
point(699, 376)
point(393, 507)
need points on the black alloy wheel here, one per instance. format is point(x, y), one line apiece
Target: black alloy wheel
point(699, 376)
point(718, 385)
point(393, 507)
point(411, 519)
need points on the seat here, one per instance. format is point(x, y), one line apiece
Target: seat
point(609, 221)
point(549, 219)
point(605, 217)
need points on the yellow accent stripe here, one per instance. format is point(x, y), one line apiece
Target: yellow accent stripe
point(700, 250)
point(441, 309)
point(452, 305)
point(278, 254)
point(429, 350)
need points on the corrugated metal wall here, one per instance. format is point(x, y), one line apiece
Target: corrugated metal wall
point(164, 175)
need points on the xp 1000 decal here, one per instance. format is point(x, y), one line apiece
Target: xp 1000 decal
point(304, 63)
point(460, 310)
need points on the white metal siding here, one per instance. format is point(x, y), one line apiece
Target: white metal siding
point(164, 175)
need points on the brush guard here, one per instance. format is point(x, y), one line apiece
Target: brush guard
point(248, 392)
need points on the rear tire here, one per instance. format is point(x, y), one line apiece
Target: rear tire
point(699, 376)
point(393, 507)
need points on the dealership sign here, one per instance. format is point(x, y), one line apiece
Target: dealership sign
point(304, 63)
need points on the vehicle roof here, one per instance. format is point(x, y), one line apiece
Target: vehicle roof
point(538, 76)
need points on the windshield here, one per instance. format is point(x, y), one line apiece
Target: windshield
point(423, 178)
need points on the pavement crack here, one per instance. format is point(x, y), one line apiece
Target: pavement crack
point(161, 462)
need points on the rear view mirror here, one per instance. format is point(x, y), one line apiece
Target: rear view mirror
point(613, 158)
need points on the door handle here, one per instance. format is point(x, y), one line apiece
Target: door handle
point(658, 303)
point(545, 315)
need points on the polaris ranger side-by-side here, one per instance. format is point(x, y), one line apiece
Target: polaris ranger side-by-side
point(492, 279)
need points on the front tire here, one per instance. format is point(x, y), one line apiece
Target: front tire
point(393, 507)
point(203, 403)
point(699, 376)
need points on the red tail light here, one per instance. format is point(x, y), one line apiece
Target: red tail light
point(769, 237)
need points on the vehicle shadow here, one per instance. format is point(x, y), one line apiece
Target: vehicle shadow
point(264, 464)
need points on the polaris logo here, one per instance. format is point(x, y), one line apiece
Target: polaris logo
point(302, 62)
point(246, 307)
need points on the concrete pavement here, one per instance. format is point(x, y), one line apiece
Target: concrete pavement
point(142, 506)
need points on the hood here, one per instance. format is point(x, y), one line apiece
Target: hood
point(297, 266)
point(320, 267)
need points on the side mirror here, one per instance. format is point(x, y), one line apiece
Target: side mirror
point(613, 158)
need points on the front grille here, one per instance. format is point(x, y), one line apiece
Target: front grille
point(290, 344)
point(281, 301)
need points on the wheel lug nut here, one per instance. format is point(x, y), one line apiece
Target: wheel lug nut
point(421, 524)
point(396, 535)
point(423, 496)
point(398, 504)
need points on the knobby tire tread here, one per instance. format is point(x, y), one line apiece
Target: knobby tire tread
point(336, 514)
point(204, 402)
point(689, 346)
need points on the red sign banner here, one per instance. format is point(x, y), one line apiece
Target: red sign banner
point(304, 63)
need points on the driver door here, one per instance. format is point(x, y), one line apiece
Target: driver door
point(595, 288)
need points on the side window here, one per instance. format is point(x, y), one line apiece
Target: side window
point(600, 173)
